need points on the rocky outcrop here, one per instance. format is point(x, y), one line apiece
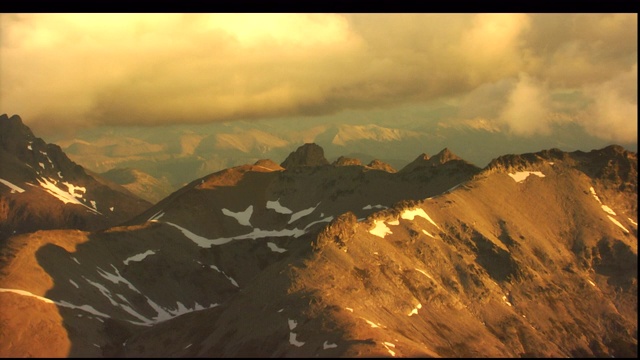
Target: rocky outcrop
point(345, 161)
point(309, 154)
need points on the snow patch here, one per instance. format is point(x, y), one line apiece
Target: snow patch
point(111, 208)
point(617, 223)
point(275, 248)
point(138, 257)
point(233, 282)
point(608, 210)
point(12, 186)
point(520, 176)
point(428, 233)
point(293, 340)
point(369, 207)
point(41, 165)
point(275, 205)
point(415, 310)
point(156, 216)
point(592, 283)
point(326, 345)
point(327, 219)
point(242, 217)
point(60, 175)
point(74, 284)
point(93, 203)
point(504, 298)
point(389, 345)
point(27, 293)
point(65, 197)
point(633, 222)
point(292, 324)
point(411, 214)
point(255, 234)
point(29, 147)
point(394, 222)
point(380, 229)
point(302, 213)
point(350, 309)
point(424, 273)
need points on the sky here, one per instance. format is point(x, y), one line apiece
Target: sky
point(522, 74)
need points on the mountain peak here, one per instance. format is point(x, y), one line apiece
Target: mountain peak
point(444, 156)
point(346, 161)
point(13, 130)
point(309, 154)
point(381, 165)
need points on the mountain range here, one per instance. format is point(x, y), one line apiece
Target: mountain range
point(533, 255)
point(178, 154)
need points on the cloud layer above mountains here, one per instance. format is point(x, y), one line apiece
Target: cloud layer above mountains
point(518, 73)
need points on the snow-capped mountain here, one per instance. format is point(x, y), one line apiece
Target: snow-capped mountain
point(534, 255)
point(40, 188)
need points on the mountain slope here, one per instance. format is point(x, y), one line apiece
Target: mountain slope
point(42, 189)
point(140, 183)
point(533, 256)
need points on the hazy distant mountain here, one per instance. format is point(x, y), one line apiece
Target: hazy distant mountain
point(42, 189)
point(140, 183)
point(533, 256)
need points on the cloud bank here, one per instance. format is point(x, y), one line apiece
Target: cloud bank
point(510, 70)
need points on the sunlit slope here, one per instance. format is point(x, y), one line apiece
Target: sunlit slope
point(535, 255)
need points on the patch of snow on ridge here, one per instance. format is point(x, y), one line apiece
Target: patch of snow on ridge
point(428, 233)
point(292, 324)
point(617, 223)
point(12, 186)
point(608, 210)
point(411, 214)
point(93, 203)
point(233, 282)
point(275, 205)
point(380, 229)
point(327, 219)
point(242, 216)
point(387, 345)
point(29, 147)
point(293, 340)
point(138, 257)
point(415, 310)
point(74, 284)
point(326, 345)
point(394, 222)
point(27, 293)
point(62, 195)
point(520, 176)
point(275, 248)
point(302, 213)
point(73, 189)
point(633, 222)
point(156, 216)
point(369, 207)
point(593, 192)
point(257, 233)
point(41, 165)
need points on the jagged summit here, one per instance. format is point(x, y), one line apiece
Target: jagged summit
point(309, 154)
point(346, 161)
point(424, 161)
point(381, 165)
point(444, 156)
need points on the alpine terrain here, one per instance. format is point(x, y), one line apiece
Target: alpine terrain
point(42, 189)
point(534, 255)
